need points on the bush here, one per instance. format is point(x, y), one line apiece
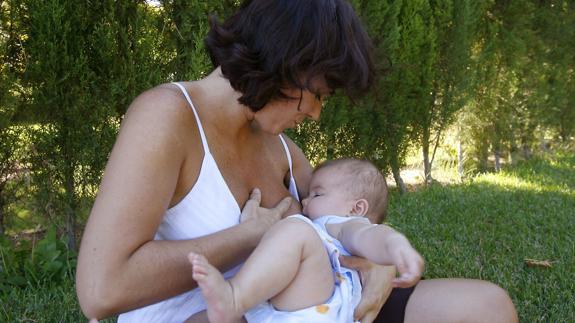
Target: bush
point(24, 263)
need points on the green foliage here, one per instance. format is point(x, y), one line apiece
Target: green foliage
point(35, 264)
point(523, 81)
point(72, 68)
point(188, 24)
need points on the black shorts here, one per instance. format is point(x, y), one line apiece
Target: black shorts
point(393, 310)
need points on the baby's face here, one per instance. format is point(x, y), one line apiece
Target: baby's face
point(327, 195)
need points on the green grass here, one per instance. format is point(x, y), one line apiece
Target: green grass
point(41, 304)
point(482, 229)
point(44, 303)
point(486, 228)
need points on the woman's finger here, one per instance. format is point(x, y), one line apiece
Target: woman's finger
point(254, 201)
point(369, 317)
point(283, 205)
point(255, 196)
point(362, 310)
point(93, 321)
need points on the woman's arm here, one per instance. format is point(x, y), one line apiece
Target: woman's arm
point(376, 282)
point(120, 266)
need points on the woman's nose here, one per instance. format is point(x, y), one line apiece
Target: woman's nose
point(315, 111)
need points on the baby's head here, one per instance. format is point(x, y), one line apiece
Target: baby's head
point(347, 187)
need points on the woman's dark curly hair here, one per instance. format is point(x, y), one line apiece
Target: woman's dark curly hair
point(268, 45)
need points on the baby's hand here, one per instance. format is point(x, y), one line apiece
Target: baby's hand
point(407, 260)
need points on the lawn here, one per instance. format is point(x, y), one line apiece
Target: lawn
point(484, 229)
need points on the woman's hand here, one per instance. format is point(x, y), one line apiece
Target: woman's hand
point(406, 259)
point(376, 284)
point(262, 217)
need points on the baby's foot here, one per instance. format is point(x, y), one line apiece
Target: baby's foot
point(217, 292)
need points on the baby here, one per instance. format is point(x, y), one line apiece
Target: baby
point(291, 268)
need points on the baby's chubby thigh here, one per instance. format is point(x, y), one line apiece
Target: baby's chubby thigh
point(313, 283)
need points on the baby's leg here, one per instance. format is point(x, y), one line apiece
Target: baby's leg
point(290, 263)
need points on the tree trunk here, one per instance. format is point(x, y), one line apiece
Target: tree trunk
point(2, 229)
point(71, 207)
point(425, 151)
point(460, 160)
point(483, 155)
point(429, 179)
point(71, 221)
point(497, 154)
point(526, 151)
point(397, 176)
point(511, 160)
point(543, 143)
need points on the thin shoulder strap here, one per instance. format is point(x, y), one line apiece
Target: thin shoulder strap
point(292, 184)
point(198, 121)
point(286, 148)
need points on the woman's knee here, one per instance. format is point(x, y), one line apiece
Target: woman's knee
point(460, 300)
point(491, 303)
point(497, 298)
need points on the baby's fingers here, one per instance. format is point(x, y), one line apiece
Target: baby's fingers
point(410, 270)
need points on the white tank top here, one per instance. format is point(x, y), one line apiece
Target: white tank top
point(188, 219)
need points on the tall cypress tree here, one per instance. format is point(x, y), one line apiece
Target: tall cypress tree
point(67, 152)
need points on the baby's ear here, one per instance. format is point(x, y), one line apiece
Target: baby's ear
point(360, 207)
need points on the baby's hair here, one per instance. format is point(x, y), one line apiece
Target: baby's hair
point(364, 181)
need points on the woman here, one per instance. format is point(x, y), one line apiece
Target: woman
point(189, 154)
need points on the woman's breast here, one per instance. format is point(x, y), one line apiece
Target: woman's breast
point(207, 208)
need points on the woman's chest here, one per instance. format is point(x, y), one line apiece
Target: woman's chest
point(243, 170)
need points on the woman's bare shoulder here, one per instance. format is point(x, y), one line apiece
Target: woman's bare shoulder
point(164, 102)
point(160, 113)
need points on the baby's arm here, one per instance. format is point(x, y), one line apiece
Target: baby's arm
point(363, 239)
point(382, 245)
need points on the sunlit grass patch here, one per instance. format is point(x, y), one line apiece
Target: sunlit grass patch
point(509, 181)
point(487, 227)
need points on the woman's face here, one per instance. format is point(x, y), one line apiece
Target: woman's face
point(285, 113)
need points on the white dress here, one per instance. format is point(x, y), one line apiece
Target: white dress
point(208, 207)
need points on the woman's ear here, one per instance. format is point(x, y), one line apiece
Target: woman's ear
point(360, 207)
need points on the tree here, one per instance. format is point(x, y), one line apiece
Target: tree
point(10, 143)
point(455, 28)
point(189, 25)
